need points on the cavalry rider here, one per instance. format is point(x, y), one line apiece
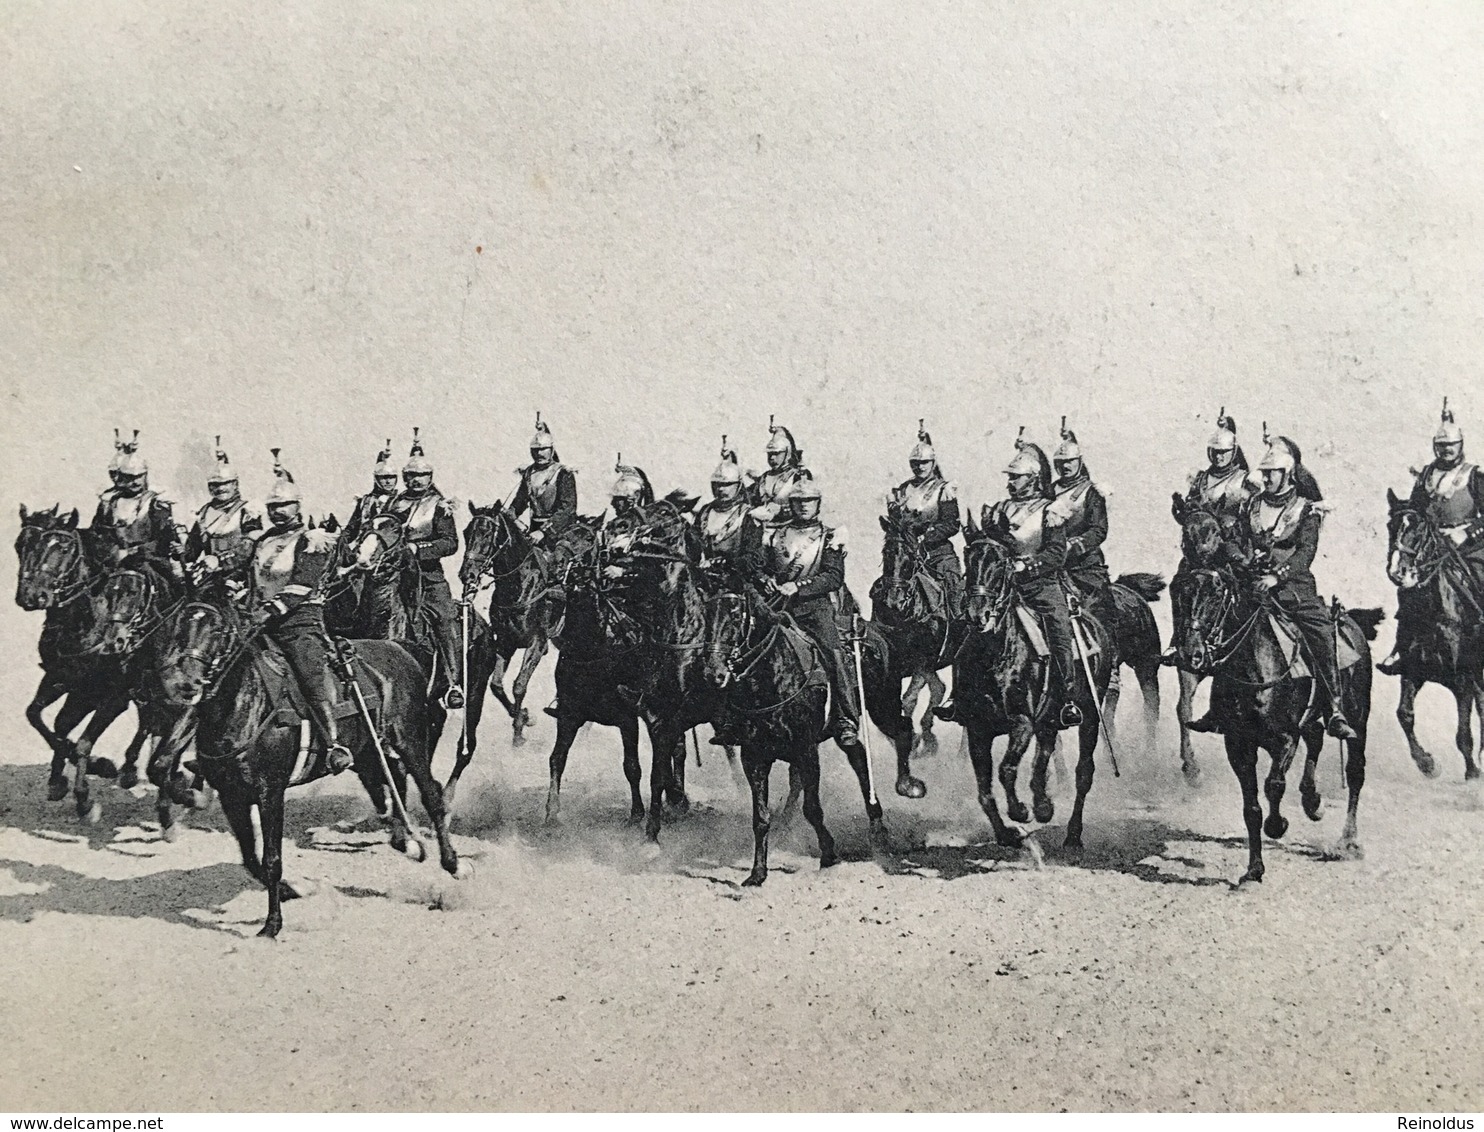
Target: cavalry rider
point(803, 561)
point(723, 521)
point(1033, 530)
point(785, 465)
point(1079, 507)
point(927, 505)
point(378, 500)
point(1450, 492)
point(1282, 525)
point(289, 564)
point(548, 489)
point(630, 497)
point(432, 536)
point(219, 546)
point(133, 526)
point(1224, 487)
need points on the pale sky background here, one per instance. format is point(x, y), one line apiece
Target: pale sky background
point(316, 225)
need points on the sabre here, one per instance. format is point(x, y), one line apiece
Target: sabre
point(464, 667)
point(860, 687)
point(1097, 704)
point(348, 671)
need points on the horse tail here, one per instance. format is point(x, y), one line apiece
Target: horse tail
point(1147, 586)
point(1367, 620)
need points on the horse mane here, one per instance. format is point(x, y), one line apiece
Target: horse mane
point(1147, 586)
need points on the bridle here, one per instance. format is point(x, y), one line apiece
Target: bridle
point(74, 579)
point(1217, 649)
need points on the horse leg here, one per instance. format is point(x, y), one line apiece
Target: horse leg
point(661, 760)
point(416, 761)
point(1276, 785)
point(936, 691)
point(49, 692)
point(1019, 742)
point(856, 754)
point(1309, 783)
point(1349, 843)
point(129, 773)
point(237, 805)
point(1041, 805)
point(519, 715)
point(1087, 735)
point(758, 768)
point(1111, 697)
point(795, 793)
point(981, 756)
point(884, 706)
point(567, 728)
point(89, 810)
point(497, 675)
point(270, 812)
point(1464, 738)
point(675, 791)
point(1406, 715)
point(628, 731)
point(914, 689)
point(805, 772)
point(468, 737)
point(1471, 768)
point(1241, 753)
point(1189, 682)
point(1147, 674)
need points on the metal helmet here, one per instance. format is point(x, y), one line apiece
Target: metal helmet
point(542, 437)
point(285, 490)
point(223, 472)
point(804, 488)
point(384, 461)
point(132, 461)
point(923, 449)
point(728, 471)
point(1068, 449)
point(417, 464)
point(118, 454)
point(1029, 460)
point(1224, 439)
point(781, 440)
point(631, 483)
point(1448, 430)
point(1282, 456)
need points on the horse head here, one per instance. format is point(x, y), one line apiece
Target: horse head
point(379, 543)
point(53, 565)
point(1211, 601)
point(728, 627)
point(1200, 537)
point(494, 544)
point(991, 586)
point(901, 563)
point(121, 607)
point(195, 645)
point(1414, 547)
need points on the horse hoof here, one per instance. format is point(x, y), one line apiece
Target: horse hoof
point(1018, 811)
point(1045, 810)
point(415, 850)
point(102, 768)
point(828, 861)
point(1347, 849)
point(92, 814)
point(1313, 807)
point(197, 800)
point(517, 740)
point(1252, 876)
point(1276, 826)
point(269, 932)
point(1426, 765)
point(128, 778)
point(170, 833)
point(1010, 838)
point(450, 792)
point(463, 869)
point(1471, 774)
point(880, 836)
point(909, 787)
point(56, 789)
point(754, 879)
point(1073, 841)
point(296, 889)
point(1192, 774)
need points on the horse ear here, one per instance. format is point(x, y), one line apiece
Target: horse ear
point(72, 519)
point(473, 510)
point(1391, 499)
point(1177, 506)
point(24, 513)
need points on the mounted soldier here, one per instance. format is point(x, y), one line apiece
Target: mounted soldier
point(1450, 491)
point(768, 491)
point(629, 499)
point(1282, 527)
point(723, 522)
point(803, 562)
point(432, 536)
point(378, 500)
point(926, 508)
point(1224, 487)
point(548, 489)
point(220, 545)
point(133, 526)
point(289, 565)
point(1080, 508)
point(1026, 522)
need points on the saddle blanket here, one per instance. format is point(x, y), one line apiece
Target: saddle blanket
point(1291, 642)
point(1032, 626)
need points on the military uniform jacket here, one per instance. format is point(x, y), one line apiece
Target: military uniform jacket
point(287, 567)
point(431, 531)
point(1288, 529)
point(225, 533)
point(551, 495)
point(766, 493)
point(367, 507)
point(1224, 493)
point(931, 510)
point(1081, 511)
point(722, 529)
point(810, 553)
point(123, 525)
point(1035, 533)
point(1453, 497)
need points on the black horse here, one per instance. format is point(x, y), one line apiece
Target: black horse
point(248, 734)
point(1266, 698)
point(1001, 688)
point(1445, 624)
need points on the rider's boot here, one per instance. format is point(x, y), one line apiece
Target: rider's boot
point(553, 709)
point(1207, 724)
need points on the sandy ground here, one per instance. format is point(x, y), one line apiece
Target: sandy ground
point(581, 969)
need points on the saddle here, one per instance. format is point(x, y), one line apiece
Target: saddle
point(1291, 642)
point(1037, 635)
point(288, 698)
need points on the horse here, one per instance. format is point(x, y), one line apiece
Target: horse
point(527, 596)
point(248, 735)
point(380, 604)
point(57, 575)
point(1447, 625)
point(1001, 687)
point(1137, 645)
point(1267, 703)
point(1201, 546)
point(774, 681)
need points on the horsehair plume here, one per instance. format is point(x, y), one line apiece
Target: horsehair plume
point(1266, 436)
point(417, 444)
point(386, 451)
point(1447, 412)
point(118, 441)
point(1064, 425)
point(538, 418)
point(770, 422)
point(922, 433)
point(1020, 438)
point(132, 446)
point(278, 469)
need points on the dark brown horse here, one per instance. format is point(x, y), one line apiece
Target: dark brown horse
point(248, 734)
point(1265, 701)
point(1445, 623)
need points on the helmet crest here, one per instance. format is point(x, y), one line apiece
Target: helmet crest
point(1448, 430)
point(923, 449)
point(781, 440)
point(417, 464)
point(285, 490)
point(728, 471)
point(542, 438)
point(1067, 449)
point(223, 472)
point(384, 460)
point(132, 462)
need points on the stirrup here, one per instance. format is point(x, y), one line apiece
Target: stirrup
point(338, 758)
point(453, 699)
point(1392, 665)
point(946, 711)
point(552, 710)
point(1071, 715)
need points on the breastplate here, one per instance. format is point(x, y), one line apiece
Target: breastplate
point(419, 515)
point(129, 519)
point(370, 505)
point(1027, 523)
point(1278, 524)
point(1453, 501)
point(1069, 505)
point(771, 485)
point(273, 562)
point(920, 500)
point(222, 528)
point(1223, 493)
point(796, 551)
point(541, 485)
point(721, 530)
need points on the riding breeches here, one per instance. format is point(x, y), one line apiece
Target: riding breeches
point(1301, 602)
point(1095, 592)
point(1048, 601)
point(943, 565)
point(301, 635)
point(816, 617)
point(437, 600)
